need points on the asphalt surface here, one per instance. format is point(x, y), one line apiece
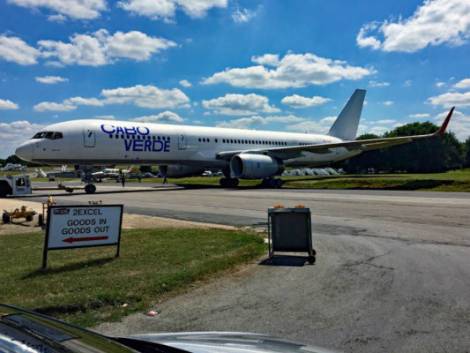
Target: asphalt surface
point(392, 271)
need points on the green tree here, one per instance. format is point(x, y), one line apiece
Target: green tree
point(14, 160)
point(467, 152)
point(365, 161)
point(430, 155)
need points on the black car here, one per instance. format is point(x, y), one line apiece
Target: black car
point(23, 331)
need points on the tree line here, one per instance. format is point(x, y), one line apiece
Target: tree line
point(423, 156)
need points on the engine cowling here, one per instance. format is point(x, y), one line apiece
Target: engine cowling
point(180, 170)
point(254, 166)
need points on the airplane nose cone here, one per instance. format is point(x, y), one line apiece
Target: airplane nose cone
point(25, 152)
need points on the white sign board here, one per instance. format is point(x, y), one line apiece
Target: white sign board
point(83, 226)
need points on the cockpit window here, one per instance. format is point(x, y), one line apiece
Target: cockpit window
point(51, 135)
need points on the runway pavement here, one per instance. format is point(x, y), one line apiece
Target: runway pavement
point(393, 269)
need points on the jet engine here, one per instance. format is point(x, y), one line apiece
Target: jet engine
point(180, 170)
point(254, 166)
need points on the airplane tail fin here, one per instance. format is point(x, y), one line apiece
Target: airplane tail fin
point(347, 122)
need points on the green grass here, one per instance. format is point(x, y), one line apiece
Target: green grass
point(89, 286)
point(457, 180)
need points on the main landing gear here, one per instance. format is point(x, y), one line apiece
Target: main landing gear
point(229, 182)
point(87, 178)
point(90, 188)
point(272, 183)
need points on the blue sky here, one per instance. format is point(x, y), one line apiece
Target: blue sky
point(276, 65)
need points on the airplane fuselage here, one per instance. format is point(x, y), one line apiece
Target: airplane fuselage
point(100, 142)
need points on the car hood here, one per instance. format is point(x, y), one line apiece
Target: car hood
point(227, 342)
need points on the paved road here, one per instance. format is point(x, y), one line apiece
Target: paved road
point(393, 270)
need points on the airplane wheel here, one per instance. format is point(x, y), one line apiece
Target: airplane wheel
point(90, 188)
point(223, 182)
point(229, 182)
point(272, 183)
point(311, 260)
point(6, 218)
point(5, 189)
point(234, 182)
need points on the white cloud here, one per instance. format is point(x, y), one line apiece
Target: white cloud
point(15, 50)
point(146, 97)
point(440, 84)
point(293, 70)
point(312, 126)
point(50, 80)
point(94, 102)
point(465, 83)
point(53, 107)
point(378, 84)
point(296, 101)
point(450, 99)
point(163, 117)
point(239, 104)
point(139, 95)
point(166, 9)
point(242, 123)
point(243, 15)
point(185, 83)
point(14, 133)
point(407, 83)
point(388, 103)
point(385, 121)
point(105, 117)
point(435, 22)
point(6, 104)
point(377, 127)
point(256, 120)
point(101, 48)
point(266, 59)
point(75, 9)
point(419, 115)
point(57, 18)
point(133, 45)
point(363, 40)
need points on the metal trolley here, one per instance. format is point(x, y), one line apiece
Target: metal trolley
point(290, 230)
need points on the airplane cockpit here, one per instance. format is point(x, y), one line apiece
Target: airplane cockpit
point(50, 135)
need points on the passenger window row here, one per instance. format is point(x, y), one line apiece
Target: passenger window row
point(245, 142)
point(140, 137)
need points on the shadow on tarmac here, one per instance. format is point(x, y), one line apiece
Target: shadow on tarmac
point(285, 260)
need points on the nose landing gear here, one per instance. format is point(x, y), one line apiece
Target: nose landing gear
point(87, 178)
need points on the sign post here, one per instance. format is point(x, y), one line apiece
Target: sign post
point(73, 227)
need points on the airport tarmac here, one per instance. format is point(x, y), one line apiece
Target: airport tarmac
point(392, 271)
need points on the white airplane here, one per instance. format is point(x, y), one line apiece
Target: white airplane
point(11, 167)
point(189, 150)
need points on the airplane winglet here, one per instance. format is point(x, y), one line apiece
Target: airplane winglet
point(443, 127)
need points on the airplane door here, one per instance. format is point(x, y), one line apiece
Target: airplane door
point(182, 143)
point(89, 138)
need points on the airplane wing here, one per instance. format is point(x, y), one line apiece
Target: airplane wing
point(362, 145)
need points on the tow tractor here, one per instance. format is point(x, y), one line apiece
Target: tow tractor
point(15, 185)
point(22, 212)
